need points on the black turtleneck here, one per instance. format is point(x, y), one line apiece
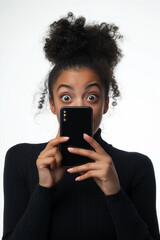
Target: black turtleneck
point(78, 210)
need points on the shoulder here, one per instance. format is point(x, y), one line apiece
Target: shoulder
point(136, 162)
point(134, 168)
point(20, 159)
point(128, 159)
point(22, 151)
point(132, 155)
point(25, 146)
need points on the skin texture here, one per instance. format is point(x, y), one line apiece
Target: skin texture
point(102, 169)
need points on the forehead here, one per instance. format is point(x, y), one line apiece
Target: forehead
point(80, 76)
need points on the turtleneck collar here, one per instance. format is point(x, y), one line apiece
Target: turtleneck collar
point(106, 146)
point(97, 135)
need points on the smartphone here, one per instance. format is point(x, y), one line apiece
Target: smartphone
point(74, 121)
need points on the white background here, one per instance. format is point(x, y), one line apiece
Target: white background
point(133, 125)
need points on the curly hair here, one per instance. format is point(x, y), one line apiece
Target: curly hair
point(72, 44)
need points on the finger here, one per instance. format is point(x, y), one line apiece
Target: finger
point(93, 143)
point(58, 158)
point(92, 173)
point(54, 142)
point(52, 165)
point(50, 152)
point(87, 153)
point(85, 167)
point(54, 152)
point(42, 163)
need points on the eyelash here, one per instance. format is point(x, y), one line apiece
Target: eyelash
point(68, 95)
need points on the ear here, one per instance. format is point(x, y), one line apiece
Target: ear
point(52, 107)
point(106, 106)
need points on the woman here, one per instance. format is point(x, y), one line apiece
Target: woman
point(114, 197)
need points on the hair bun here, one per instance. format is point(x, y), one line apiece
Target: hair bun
point(70, 37)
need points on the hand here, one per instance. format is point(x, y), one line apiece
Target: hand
point(48, 163)
point(102, 169)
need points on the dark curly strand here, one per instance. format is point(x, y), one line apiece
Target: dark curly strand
point(72, 44)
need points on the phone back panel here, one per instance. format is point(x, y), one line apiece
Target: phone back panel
point(74, 121)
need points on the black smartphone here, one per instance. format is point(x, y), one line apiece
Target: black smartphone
point(74, 121)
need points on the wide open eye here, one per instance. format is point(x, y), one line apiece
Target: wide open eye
point(92, 97)
point(64, 97)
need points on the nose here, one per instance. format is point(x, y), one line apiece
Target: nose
point(79, 103)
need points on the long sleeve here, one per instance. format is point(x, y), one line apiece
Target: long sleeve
point(135, 216)
point(78, 210)
point(25, 217)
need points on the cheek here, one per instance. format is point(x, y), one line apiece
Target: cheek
point(97, 116)
point(57, 107)
point(58, 117)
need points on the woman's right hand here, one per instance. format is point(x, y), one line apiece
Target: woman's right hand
point(48, 163)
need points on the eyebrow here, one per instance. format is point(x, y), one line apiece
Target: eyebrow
point(87, 87)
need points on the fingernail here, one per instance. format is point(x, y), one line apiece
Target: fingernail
point(85, 135)
point(65, 138)
point(78, 178)
point(69, 169)
point(70, 148)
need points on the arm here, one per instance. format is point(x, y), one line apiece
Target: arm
point(24, 217)
point(135, 216)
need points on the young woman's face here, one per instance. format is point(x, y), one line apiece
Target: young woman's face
point(80, 88)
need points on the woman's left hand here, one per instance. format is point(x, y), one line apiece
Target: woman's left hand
point(102, 169)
